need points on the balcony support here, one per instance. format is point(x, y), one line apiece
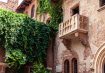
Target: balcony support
point(83, 38)
point(75, 27)
point(67, 43)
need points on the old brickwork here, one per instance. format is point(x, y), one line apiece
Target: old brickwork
point(88, 47)
point(37, 16)
point(9, 5)
point(87, 55)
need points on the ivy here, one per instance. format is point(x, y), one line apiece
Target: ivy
point(24, 39)
point(15, 58)
point(39, 68)
point(27, 40)
point(44, 6)
point(54, 8)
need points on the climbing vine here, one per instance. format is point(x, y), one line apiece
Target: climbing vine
point(24, 39)
point(54, 8)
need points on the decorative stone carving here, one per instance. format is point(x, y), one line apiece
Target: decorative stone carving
point(83, 38)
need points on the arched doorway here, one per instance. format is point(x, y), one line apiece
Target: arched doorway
point(99, 61)
point(66, 66)
point(103, 68)
point(48, 21)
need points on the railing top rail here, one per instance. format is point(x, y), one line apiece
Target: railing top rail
point(72, 24)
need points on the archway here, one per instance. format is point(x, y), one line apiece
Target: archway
point(99, 62)
point(48, 21)
point(103, 67)
point(32, 11)
point(74, 65)
point(66, 66)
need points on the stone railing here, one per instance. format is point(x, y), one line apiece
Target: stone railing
point(76, 23)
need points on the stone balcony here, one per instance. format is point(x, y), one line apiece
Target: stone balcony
point(74, 26)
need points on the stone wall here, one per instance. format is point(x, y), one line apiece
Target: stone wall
point(96, 36)
point(10, 5)
point(37, 16)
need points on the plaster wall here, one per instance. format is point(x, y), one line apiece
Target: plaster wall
point(96, 36)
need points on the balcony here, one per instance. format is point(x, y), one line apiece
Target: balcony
point(77, 24)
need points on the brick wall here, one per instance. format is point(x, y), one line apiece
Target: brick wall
point(96, 35)
point(10, 5)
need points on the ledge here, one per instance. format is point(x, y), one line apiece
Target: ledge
point(101, 8)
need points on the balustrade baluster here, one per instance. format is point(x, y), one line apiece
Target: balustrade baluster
point(73, 24)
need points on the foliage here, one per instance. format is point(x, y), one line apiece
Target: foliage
point(23, 37)
point(15, 58)
point(33, 41)
point(44, 6)
point(54, 9)
point(39, 68)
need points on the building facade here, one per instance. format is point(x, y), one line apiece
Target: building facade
point(80, 44)
point(29, 7)
point(81, 37)
point(9, 4)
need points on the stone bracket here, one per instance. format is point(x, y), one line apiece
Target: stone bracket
point(83, 38)
point(67, 43)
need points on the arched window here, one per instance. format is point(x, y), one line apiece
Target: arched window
point(66, 66)
point(48, 21)
point(32, 11)
point(102, 2)
point(74, 66)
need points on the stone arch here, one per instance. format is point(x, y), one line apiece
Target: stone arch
point(74, 65)
point(66, 55)
point(48, 20)
point(66, 66)
point(99, 59)
point(32, 11)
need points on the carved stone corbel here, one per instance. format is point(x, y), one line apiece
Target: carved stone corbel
point(83, 38)
point(67, 43)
